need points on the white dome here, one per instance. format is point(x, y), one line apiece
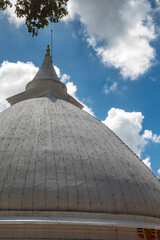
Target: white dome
point(55, 156)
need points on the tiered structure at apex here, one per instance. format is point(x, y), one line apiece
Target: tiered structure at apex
point(65, 175)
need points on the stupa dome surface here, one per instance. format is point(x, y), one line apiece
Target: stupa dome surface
point(55, 156)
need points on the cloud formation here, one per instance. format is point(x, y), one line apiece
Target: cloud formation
point(148, 135)
point(110, 88)
point(65, 78)
point(147, 162)
point(12, 17)
point(13, 79)
point(119, 31)
point(128, 126)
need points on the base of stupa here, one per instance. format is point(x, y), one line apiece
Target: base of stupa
point(76, 225)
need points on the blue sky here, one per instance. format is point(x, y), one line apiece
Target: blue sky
point(108, 55)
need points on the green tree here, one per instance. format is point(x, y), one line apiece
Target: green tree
point(37, 13)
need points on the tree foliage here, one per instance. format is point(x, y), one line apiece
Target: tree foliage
point(4, 4)
point(37, 13)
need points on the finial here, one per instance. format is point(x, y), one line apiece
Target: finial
point(48, 51)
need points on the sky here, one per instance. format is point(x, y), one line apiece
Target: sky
point(107, 52)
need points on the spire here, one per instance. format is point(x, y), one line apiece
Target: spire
point(45, 73)
point(45, 83)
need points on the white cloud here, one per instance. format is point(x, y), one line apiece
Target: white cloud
point(71, 89)
point(57, 70)
point(128, 126)
point(147, 162)
point(12, 17)
point(112, 88)
point(158, 172)
point(119, 31)
point(65, 78)
point(148, 135)
point(13, 79)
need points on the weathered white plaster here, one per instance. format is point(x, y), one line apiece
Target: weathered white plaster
point(54, 156)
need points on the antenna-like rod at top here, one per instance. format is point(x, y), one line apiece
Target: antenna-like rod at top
point(51, 41)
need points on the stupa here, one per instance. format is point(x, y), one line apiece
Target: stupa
point(65, 175)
